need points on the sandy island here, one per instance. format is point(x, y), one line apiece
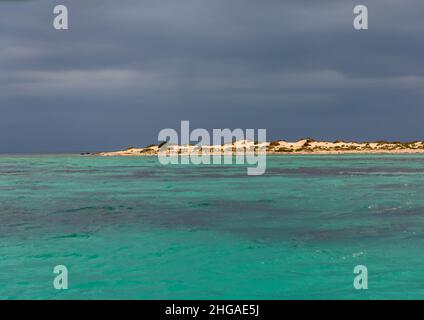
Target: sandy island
point(279, 147)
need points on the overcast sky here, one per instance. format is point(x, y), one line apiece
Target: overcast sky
point(127, 69)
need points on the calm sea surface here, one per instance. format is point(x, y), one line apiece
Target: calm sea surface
point(132, 228)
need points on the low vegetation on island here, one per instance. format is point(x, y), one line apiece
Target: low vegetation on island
point(304, 146)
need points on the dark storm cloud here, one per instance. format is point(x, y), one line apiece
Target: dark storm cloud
point(127, 69)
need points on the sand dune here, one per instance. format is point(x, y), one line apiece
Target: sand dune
point(305, 146)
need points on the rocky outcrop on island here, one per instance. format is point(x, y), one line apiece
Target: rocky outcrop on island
point(304, 146)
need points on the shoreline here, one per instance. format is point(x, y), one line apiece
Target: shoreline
point(279, 147)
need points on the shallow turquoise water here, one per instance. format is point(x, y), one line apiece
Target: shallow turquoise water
point(132, 228)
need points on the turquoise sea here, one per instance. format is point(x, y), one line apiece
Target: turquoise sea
point(131, 228)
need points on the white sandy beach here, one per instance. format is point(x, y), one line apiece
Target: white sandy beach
point(279, 147)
